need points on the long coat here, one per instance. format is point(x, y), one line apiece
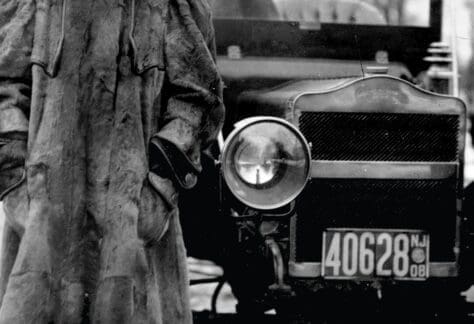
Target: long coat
point(89, 84)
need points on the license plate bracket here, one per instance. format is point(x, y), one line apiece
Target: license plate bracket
point(372, 254)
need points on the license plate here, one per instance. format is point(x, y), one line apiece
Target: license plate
point(370, 254)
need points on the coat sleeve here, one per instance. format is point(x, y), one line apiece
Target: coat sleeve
point(194, 111)
point(16, 42)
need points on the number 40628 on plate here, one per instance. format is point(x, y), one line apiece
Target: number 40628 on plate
point(368, 254)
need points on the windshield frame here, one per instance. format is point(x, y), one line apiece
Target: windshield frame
point(271, 38)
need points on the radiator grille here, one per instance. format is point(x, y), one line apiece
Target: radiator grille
point(381, 136)
point(366, 203)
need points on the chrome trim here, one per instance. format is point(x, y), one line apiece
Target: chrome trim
point(278, 266)
point(383, 170)
point(313, 269)
point(304, 269)
point(233, 136)
point(448, 109)
point(443, 269)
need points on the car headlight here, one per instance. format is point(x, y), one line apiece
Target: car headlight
point(266, 162)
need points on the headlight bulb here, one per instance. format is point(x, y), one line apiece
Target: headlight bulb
point(256, 160)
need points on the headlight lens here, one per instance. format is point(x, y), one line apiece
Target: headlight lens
point(266, 162)
point(256, 160)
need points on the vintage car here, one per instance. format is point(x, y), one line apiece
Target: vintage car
point(341, 177)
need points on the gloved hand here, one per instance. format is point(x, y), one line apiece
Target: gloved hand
point(159, 202)
point(12, 162)
point(12, 153)
point(168, 161)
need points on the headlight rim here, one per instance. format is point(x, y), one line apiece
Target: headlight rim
point(248, 122)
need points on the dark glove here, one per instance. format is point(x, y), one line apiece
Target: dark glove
point(159, 203)
point(12, 162)
point(12, 153)
point(168, 161)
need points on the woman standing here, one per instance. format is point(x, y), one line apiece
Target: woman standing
point(93, 96)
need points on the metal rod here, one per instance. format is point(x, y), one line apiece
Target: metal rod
point(205, 281)
point(215, 295)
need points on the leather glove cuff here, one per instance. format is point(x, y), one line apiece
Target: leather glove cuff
point(168, 161)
